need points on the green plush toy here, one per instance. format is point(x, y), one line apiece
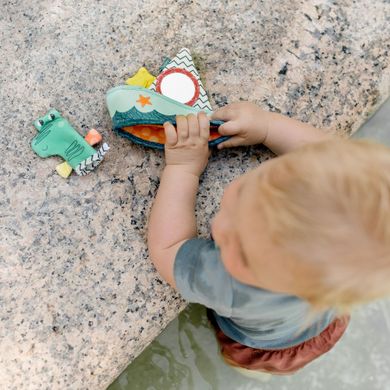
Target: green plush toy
point(58, 138)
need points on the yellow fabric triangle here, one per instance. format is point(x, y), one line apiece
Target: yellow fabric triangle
point(141, 79)
point(64, 169)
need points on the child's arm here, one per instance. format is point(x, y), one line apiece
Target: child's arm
point(172, 219)
point(248, 124)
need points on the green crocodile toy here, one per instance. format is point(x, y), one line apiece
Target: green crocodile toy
point(58, 138)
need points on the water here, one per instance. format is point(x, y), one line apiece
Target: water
point(378, 126)
point(185, 357)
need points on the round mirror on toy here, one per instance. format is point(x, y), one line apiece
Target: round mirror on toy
point(178, 84)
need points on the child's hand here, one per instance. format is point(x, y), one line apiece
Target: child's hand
point(188, 146)
point(246, 124)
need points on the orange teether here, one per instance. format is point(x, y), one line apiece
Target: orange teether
point(93, 137)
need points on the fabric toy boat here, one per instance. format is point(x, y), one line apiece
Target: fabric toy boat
point(138, 113)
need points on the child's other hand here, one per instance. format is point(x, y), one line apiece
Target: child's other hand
point(188, 147)
point(245, 123)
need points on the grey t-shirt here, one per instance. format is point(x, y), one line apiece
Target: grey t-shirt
point(249, 315)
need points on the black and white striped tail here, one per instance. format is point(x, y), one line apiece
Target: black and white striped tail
point(92, 162)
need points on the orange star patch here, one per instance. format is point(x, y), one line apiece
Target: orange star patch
point(144, 100)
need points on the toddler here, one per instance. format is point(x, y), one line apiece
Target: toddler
point(296, 243)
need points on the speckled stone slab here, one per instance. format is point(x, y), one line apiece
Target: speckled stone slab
point(79, 298)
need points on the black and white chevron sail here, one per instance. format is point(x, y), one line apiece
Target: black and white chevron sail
point(183, 60)
point(92, 162)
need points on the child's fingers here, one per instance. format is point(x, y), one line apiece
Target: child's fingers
point(182, 127)
point(193, 126)
point(229, 128)
point(223, 114)
point(170, 134)
point(204, 125)
point(230, 143)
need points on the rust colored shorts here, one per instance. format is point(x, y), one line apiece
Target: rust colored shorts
point(281, 361)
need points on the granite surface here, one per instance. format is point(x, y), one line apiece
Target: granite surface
point(79, 298)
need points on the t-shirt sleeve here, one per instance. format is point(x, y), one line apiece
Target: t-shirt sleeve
point(201, 277)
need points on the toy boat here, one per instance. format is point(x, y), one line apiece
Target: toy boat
point(138, 110)
point(139, 114)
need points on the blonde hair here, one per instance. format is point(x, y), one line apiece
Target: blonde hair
point(327, 206)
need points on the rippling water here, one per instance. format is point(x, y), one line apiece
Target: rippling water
point(185, 357)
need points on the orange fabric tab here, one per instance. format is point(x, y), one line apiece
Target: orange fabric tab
point(93, 137)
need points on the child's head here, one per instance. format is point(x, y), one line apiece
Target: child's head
point(314, 223)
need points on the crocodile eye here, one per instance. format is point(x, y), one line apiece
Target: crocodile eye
point(41, 122)
point(52, 116)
